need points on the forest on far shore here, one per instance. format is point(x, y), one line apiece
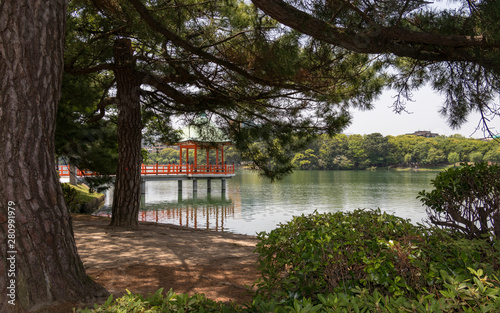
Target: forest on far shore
point(349, 152)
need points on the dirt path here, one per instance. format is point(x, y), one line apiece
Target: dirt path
point(155, 256)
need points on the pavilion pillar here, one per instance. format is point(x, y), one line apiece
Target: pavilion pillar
point(209, 185)
point(222, 151)
point(208, 159)
point(195, 156)
point(180, 158)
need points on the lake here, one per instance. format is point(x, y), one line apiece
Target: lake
point(253, 204)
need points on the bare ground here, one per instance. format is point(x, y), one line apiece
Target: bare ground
point(220, 265)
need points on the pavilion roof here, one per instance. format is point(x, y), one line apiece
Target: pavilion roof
point(203, 131)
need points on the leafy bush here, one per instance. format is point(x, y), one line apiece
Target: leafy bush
point(80, 199)
point(346, 252)
point(159, 302)
point(70, 195)
point(336, 252)
point(466, 200)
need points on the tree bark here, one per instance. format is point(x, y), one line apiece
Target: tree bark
point(127, 195)
point(39, 262)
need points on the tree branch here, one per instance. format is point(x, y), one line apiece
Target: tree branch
point(379, 39)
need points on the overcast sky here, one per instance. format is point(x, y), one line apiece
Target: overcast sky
point(425, 111)
point(425, 116)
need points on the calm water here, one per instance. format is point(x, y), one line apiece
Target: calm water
point(252, 204)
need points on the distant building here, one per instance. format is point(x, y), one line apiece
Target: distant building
point(157, 147)
point(493, 137)
point(424, 133)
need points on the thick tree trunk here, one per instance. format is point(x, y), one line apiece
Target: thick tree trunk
point(39, 262)
point(127, 195)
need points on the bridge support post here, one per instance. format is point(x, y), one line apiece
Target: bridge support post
point(223, 185)
point(179, 186)
point(143, 186)
point(209, 185)
point(195, 186)
point(143, 201)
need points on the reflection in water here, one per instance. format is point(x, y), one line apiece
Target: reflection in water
point(208, 213)
point(195, 214)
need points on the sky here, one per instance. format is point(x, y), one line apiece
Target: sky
point(425, 112)
point(425, 116)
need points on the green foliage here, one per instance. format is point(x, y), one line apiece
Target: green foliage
point(70, 197)
point(479, 294)
point(476, 157)
point(88, 145)
point(305, 161)
point(159, 302)
point(362, 251)
point(453, 158)
point(77, 196)
point(466, 200)
point(336, 252)
point(342, 152)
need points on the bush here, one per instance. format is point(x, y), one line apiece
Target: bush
point(346, 252)
point(70, 195)
point(159, 302)
point(79, 199)
point(466, 200)
point(337, 252)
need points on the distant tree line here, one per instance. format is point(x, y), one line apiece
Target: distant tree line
point(363, 151)
point(343, 152)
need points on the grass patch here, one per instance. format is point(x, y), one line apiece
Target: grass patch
point(84, 193)
point(78, 196)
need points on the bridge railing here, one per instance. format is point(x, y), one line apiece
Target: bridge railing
point(64, 172)
point(166, 169)
point(190, 169)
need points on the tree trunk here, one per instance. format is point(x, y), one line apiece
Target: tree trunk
point(127, 195)
point(39, 262)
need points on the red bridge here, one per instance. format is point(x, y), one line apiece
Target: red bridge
point(175, 170)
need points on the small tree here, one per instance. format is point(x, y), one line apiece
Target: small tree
point(466, 199)
point(453, 157)
point(476, 157)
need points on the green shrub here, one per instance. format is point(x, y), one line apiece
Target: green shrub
point(336, 252)
point(466, 199)
point(346, 252)
point(70, 195)
point(159, 302)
